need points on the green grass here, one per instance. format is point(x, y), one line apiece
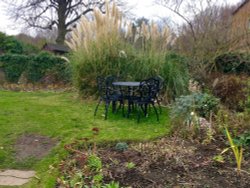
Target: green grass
point(65, 117)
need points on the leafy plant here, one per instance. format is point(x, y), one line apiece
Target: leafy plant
point(130, 165)
point(243, 139)
point(200, 103)
point(237, 150)
point(219, 158)
point(111, 185)
point(94, 163)
point(121, 146)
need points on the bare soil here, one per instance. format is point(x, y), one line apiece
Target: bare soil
point(171, 162)
point(33, 146)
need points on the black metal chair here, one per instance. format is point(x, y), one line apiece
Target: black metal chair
point(107, 94)
point(148, 90)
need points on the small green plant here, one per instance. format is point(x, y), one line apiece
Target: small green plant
point(94, 163)
point(111, 185)
point(243, 139)
point(77, 180)
point(237, 150)
point(121, 146)
point(130, 165)
point(219, 158)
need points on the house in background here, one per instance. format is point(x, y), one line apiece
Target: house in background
point(57, 49)
point(240, 31)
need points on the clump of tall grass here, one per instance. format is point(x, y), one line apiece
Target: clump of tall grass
point(108, 44)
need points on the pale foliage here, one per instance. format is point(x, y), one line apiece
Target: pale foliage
point(111, 26)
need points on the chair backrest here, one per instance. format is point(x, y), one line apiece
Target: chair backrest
point(105, 87)
point(149, 89)
point(109, 80)
point(101, 85)
point(161, 81)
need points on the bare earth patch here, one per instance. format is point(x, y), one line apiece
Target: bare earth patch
point(167, 162)
point(33, 146)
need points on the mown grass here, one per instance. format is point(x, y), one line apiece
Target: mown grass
point(65, 117)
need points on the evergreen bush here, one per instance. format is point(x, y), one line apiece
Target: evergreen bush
point(233, 62)
point(14, 65)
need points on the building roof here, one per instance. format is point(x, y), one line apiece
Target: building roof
point(56, 47)
point(240, 6)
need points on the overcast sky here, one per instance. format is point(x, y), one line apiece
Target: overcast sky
point(142, 8)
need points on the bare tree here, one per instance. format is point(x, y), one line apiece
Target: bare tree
point(206, 26)
point(47, 14)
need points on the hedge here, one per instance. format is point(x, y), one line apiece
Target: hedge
point(35, 67)
point(14, 65)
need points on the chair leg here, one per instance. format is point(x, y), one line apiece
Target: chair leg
point(158, 102)
point(97, 106)
point(129, 108)
point(156, 112)
point(123, 113)
point(106, 109)
point(113, 106)
point(146, 110)
point(138, 113)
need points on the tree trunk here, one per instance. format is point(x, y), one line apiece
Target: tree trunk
point(62, 29)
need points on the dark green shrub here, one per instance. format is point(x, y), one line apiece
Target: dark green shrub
point(38, 66)
point(233, 62)
point(232, 91)
point(9, 44)
point(14, 65)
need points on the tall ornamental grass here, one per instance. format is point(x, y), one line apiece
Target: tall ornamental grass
point(107, 44)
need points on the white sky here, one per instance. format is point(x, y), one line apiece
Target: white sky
point(142, 8)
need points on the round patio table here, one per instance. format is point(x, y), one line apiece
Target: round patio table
point(130, 94)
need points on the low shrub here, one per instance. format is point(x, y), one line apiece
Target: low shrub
point(200, 103)
point(14, 65)
point(233, 62)
point(232, 91)
point(189, 116)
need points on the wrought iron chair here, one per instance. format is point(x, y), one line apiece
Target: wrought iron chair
point(107, 94)
point(148, 90)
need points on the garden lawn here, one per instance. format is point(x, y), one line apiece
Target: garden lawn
point(65, 117)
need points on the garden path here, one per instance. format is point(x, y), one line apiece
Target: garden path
point(15, 177)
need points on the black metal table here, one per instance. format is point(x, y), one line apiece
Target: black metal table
point(131, 86)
